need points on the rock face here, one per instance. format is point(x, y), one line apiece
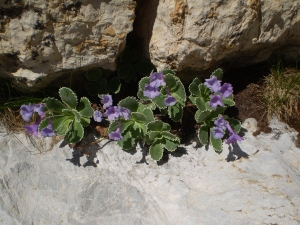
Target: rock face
point(39, 37)
point(197, 35)
point(255, 182)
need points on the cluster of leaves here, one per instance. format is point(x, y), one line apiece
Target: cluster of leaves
point(129, 65)
point(67, 116)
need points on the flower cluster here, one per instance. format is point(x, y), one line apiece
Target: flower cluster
point(27, 111)
point(220, 128)
point(152, 90)
point(219, 92)
point(112, 113)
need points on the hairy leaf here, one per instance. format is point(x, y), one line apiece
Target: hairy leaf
point(68, 97)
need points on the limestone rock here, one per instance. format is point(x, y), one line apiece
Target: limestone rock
point(253, 182)
point(196, 35)
point(40, 38)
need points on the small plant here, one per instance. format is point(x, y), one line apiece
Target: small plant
point(212, 99)
point(281, 92)
point(132, 119)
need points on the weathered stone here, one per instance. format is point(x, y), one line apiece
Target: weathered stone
point(42, 38)
point(253, 182)
point(197, 35)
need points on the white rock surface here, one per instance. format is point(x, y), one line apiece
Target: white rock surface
point(199, 34)
point(199, 187)
point(44, 37)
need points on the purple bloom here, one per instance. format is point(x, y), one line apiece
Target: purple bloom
point(33, 128)
point(26, 111)
point(106, 101)
point(39, 108)
point(116, 135)
point(112, 113)
point(220, 122)
point(157, 79)
point(124, 112)
point(48, 131)
point(218, 132)
point(150, 91)
point(233, 136)
point(213, 84)
point(226, 90)
point(170, 100)
point(97, 116)
point(215, 100)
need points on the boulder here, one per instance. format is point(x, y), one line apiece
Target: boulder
point(197, 35)
point(254, 182)
point(43, 39)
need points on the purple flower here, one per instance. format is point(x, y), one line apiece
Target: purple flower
point(33, 128)
point(116, 135)
point(97, 116)
point(215, 100)
point(39, 108)
point(124, 112)
point(112, 113)
point(157, 79)
point(47, 131)
point(213, 84)
point(226, 90)
point(233, 136)
point(220, 122)
point(26, 111)
point(150, 91)
point(218, 132)
point(170, 100)
point(106, 101)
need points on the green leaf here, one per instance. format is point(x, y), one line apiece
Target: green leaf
point(124, 125)
point(218, 73)
point(159, 101)
point(54, 105)
point(193, 99)
point(143, 82)
point(44, 123)
point(169, 136)
point(130, 103)
point(203, 134)
point(166, 127)
point(179, 92)
point(127, 142)
point(85, 121)
point(114, 85)
point(200, 104)
point(171, 145)
point(77, 115)
point(138, 116)
point(202, 116)
point(175, 112)
point(204, 92)
point(84, 108)
point(64, 127)
point(148, 113)
point(57, 121)
point(235, 125)
point(155, 125)
point(170, 81)
point(155, 135)
point(94, 75)
point(68, 113)
point(168, 71)
point(143, 67)
point(228, 102)
point(216, 142)
point(215, 113)
point(156, 151)
point(193, 88)
point(75, 133)
point(68, 97)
